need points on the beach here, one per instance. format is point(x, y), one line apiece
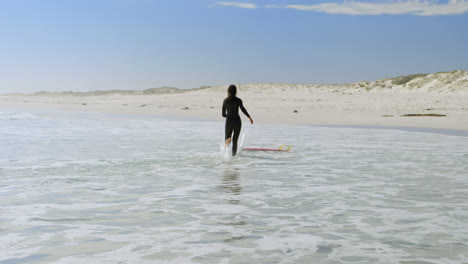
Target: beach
point(121, 143)
point(428, 101)
point(142, 176)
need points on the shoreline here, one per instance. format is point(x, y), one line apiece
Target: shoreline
point(422, 126)
point(436, 101)
point(267, 111)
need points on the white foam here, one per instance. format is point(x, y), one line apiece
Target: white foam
point(15, 116)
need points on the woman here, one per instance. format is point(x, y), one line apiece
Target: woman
point(233, 122)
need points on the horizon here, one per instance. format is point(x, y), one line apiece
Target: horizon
point(238, 84)
point(104, 45)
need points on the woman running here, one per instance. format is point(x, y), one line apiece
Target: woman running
point(233, 122)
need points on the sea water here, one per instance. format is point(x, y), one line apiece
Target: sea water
point(106, 188)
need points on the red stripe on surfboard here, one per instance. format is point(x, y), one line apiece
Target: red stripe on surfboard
point(263, 149)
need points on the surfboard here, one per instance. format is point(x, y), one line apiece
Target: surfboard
point(280, 149)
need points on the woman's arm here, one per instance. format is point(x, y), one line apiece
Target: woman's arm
point(241, 105)
point(224, 109)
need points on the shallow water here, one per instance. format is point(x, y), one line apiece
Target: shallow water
point(102, 188)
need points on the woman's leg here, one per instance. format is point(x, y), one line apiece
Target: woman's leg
point(235, 137)
point(228, 132)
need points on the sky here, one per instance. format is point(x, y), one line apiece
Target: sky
point(86, 45)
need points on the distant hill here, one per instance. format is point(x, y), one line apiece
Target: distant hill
point(441, 82)
point(161, 90)
point(455, 82)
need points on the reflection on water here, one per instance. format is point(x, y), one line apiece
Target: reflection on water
point(231, 187)
point(230, 184)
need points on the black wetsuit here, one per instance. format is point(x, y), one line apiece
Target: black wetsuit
point(233, 122)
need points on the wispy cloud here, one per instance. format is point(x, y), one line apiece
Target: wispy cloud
point(412, 7)
point(236, 4)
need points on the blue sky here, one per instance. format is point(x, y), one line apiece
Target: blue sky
point(83, 45)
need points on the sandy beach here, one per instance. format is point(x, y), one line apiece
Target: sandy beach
point(431, 101)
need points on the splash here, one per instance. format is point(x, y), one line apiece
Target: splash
point(226, 151)
point(15, 116)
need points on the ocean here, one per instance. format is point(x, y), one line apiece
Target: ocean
point(79, 187)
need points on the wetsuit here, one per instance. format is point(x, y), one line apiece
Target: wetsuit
point(231, 107)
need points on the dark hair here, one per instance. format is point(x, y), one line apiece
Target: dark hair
point(232, 90)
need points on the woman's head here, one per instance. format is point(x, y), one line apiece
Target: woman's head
point(232, 90)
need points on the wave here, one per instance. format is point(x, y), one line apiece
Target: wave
point(15, 116)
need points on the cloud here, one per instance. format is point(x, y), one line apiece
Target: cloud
point(413, 7)
point(236, 4)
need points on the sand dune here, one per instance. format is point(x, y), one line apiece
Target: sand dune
point(429, 100)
